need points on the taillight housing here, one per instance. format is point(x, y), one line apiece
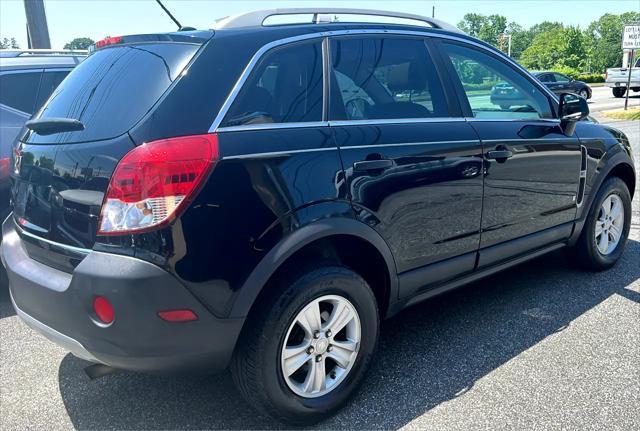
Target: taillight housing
point(153, 182)
point(113, 40)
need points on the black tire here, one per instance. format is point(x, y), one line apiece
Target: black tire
point(256, 365)
point(585, 253)
point(619, 91)
point(584, 93)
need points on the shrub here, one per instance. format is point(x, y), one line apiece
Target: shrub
point(591, 77)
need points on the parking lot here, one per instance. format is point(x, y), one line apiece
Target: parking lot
point(541, 346)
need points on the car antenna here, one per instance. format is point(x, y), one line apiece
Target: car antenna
point(173, 18)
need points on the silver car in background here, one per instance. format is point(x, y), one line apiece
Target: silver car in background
point(27, 79)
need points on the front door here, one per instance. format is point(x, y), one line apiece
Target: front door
point(532, 169)
point(413, 165)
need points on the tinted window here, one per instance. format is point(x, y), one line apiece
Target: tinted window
point(285, 87)
point(19, 90)
point(546, 77)
point(114, 88)
point(494, 89)
point(561, 78)
point(49, 82)
point(384, 78)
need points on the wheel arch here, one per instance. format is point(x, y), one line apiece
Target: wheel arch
point(322, 235)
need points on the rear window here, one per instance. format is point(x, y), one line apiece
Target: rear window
point(114, 88)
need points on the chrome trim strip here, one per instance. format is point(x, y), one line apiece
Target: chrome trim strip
point(408, 144)
point(21, 231)
point(278, 153)
point(271, 126)
point(273, 44)
point(523, 140)
point(342, 123)
point(59, 338)
point(511, 120)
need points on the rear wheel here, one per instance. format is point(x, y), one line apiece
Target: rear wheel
point(606, 228)
point(308, 347)
point(619, 91)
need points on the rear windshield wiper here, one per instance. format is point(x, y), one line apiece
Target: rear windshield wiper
point(49, 126)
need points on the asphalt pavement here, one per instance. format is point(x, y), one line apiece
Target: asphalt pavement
point(541, 346)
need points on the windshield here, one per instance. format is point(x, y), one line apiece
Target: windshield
point(113, 89)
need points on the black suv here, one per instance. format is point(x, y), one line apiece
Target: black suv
point(262, 196)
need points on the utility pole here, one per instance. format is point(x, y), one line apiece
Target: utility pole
point(433, 11)
point(37, 29)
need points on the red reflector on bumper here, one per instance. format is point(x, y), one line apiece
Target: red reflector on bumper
point(104, 309)
point(178, 315)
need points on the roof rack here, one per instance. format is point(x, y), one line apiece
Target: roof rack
point(7, 53)
point(322, 16)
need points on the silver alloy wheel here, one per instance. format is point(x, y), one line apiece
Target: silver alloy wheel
point(609, 225)
point(321, 346)
point(584, 94)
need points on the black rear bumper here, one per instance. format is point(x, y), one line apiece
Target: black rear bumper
point(59, 305)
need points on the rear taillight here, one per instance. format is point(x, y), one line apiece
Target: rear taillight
point(4, 168)
point(154, 181)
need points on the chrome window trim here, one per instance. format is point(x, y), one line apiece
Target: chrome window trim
point(38, 69)
point(325, 34)
point(272, 126)
point(373, 122)
point(278, 153)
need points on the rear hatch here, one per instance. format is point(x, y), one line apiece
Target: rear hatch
point(61, 170)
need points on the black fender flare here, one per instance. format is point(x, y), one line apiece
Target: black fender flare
point(298, 239)
point(620, 158)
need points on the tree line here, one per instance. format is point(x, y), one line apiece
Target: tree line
point(552, 45)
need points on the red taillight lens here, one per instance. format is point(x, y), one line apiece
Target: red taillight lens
point(103, 309)
point(185, 315)
point(108, 41)
point(4, 167)
point(153, 181)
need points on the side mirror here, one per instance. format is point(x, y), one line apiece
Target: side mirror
point(572, 109)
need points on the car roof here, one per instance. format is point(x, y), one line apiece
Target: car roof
point(38, 59)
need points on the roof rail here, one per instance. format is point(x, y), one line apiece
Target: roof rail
point(322, 16)
point(41, 52)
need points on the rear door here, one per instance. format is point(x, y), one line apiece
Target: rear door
point(532, 169)
point(550, 81)
point(413, 166)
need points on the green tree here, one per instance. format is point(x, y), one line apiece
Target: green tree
point(545, 51)
point(7, 43)
point(494, 26)
point(79, 43)
point(472, 23)
point(605, 40)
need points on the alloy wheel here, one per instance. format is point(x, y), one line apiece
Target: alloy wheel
point(321, 346)
point(609, 224)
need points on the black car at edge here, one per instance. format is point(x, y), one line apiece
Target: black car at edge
point(559, 83)
point(260, 196)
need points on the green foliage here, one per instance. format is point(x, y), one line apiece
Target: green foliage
point(552, 45)
point(591, 78)
point(79, 43)
point(605, 36)
point(7, 43)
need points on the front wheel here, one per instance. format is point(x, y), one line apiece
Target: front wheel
point(619, 91)
point(606, 228)
point(584, 94)
point(308, 347)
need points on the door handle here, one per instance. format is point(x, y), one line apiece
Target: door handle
point(372, 165)
point(500, 156)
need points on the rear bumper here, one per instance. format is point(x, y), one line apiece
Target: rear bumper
point(59, 306)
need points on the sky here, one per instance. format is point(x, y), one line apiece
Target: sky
point(68, 19)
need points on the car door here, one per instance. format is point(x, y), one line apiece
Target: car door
point(549, 80)
point(532, 168)
point(413, 166)
point(563, 83)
